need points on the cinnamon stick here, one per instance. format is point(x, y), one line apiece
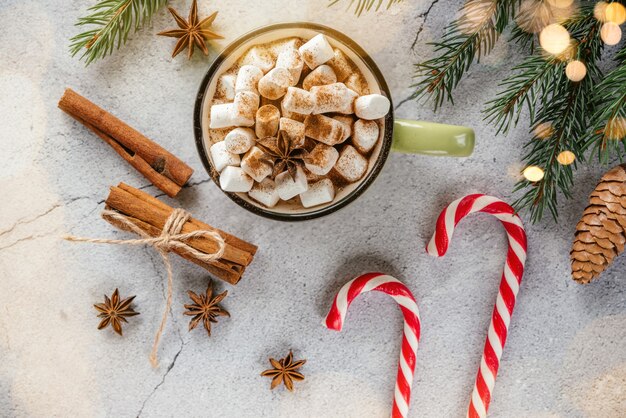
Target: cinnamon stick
point(229, 272)
point(130, 205)
point(158, 165)
point(230, 239)
point(150, 214)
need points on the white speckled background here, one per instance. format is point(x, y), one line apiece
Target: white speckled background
point(565, 356)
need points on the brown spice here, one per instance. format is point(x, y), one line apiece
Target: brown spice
point(324, 129)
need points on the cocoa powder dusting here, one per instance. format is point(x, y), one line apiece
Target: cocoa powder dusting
point(322, 132)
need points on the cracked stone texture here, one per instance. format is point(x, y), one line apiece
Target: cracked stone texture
point(565, 354)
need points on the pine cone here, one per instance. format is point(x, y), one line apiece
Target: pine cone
point(601, 232)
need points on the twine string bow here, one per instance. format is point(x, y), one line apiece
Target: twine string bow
point(170, 239)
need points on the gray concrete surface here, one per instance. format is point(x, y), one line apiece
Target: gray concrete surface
point(565, 355)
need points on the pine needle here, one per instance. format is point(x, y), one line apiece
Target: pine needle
point(110, 23)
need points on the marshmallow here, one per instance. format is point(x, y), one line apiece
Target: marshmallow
point(293, 129)
point(348, 121)
point(267, 118)
point(340, 64)
point(334, 97)
point(321, 159)
point(318, 77)
point(244, 108)
point(291, 115)
point(316, 51)
point(351, 165)
point(239, 140)
point(288, 187)
point(291, 60)
point(233, 179)
point(226, 87)
point(321, 192)
point(274, 84)
point(324, 129)
point(299, 101)
point(255, 165)
point(287, 44)
point(372, 106)
point(259, 57)
point(356, 82)
point(247, 78)
point(365, 135)
point(221, 157)
point(221, 116)
point(265, 193)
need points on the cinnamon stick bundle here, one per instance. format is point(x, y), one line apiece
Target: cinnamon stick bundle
point(150, 214)
point(158, 165)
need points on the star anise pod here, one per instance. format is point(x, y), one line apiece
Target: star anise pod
point(205, 308)
point(192, 32)
point(283, 152)
point(284, 370)
point(114, 312)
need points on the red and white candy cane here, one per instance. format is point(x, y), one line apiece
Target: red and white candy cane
point(402, 295)
point(509, 286)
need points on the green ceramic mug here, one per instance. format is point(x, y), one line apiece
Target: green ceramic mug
point(396, 134)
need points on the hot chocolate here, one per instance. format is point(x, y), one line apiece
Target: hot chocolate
point(292, 123)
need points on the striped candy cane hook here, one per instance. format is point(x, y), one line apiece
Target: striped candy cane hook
point(509, 286)
point(410, 338)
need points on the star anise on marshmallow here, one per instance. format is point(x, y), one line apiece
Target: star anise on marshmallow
point(283, 153)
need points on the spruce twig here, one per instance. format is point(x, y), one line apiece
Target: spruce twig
point(465, 41)
point(110, 22)
point(563, 105)
point(608, 130)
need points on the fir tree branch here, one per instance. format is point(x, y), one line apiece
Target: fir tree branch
point(565, 107)
point(608, 130)
point(111, 22)
point(532, 79)
point(465, 40)
point(365, 5)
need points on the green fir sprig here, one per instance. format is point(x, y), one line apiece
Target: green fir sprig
point(553, 101)
point(465, 40)
point(109, 24)
point(607, 134)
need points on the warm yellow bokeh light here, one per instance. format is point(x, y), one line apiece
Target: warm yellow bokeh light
point(610, 33)
point(566, 158)
point(562, 13)
point(475, 15)
point(561, 4)
point(554, 38)
point(576, 70)
point(616, 128)
point(532, 17)
point(533, 173)
point(615, 13)
point(599, 11)
point(544, 130)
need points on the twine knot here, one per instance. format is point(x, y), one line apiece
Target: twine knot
point(171, 238)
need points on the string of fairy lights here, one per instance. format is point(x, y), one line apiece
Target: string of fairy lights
point(555, 40)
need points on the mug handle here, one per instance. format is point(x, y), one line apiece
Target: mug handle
point(419, 137)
